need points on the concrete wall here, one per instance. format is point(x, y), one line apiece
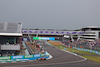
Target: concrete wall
point(10, 47)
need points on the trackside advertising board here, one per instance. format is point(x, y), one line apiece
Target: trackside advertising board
point(5, 58)
point(30, 57)
point(43, 38)
point(87, 50)
point(17, 57)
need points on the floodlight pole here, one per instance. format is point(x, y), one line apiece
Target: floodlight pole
point(72, 38)
point(37, 35)
point(35, 40)
point(29, 38)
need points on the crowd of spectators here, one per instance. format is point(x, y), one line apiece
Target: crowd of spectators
point(93, 45)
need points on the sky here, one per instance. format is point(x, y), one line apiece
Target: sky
point(51, 14)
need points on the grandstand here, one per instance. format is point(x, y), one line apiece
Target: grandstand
point(10, 38)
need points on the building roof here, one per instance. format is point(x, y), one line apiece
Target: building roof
point(51, 32)
point(12, 29)
point(92, 27)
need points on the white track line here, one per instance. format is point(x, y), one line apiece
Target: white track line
point(46, 64)
point(84, 59)
point(68, 51)
point(73, 54)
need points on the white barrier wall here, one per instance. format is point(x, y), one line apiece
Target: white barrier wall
point(10, 47)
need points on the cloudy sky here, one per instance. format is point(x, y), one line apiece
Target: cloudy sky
point(51, 14)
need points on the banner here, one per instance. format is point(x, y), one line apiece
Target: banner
point(91, 51)
point(28, 56)
point(43, 55)
point(5, 58)
point(99, 53)
point(25, 57)
point(73, 47)
point(86, 50)
point(82, 49)
point(37, 55)
point(78, 48)
point(17, 57)
point(96, 52)
point(43, 38)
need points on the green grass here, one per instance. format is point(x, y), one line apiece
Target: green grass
point(75, 50)
point(93, 58)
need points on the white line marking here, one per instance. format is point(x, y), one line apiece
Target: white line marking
point(84, 59)
point(69, 52)
point(46, 64)
point(72, 53)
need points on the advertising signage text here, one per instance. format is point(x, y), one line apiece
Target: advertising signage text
point(43, 38)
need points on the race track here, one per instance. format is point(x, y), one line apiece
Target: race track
point(60, 59)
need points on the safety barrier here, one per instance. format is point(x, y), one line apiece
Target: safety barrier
point(81, 49)
point(87, 50)
point(24, 57)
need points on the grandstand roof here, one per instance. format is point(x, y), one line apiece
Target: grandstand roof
point(51, 32)
point(10, 29)
point(92, 27)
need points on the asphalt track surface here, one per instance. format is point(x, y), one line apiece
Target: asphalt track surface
point(60, 59)
point(28, 48)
